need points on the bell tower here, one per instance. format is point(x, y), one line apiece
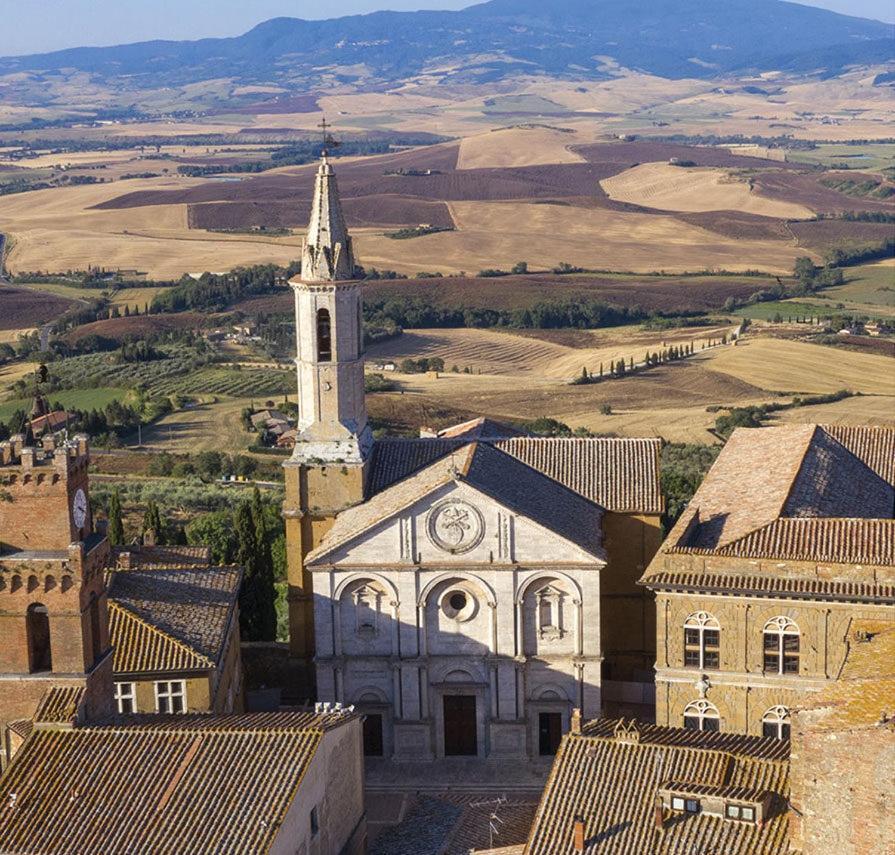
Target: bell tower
point(327, 470)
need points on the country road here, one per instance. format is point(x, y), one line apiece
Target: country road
point(3, 278)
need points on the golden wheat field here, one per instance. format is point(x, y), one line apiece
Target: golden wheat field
point(510, 147)
point(498, 234)
point(675, 188)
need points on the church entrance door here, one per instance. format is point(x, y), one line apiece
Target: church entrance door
point(460, 726)
point(373, 735)
point(549, 733)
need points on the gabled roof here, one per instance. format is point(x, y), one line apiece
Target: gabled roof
point(619, 475)
point(60, 705)
point(171, 618)
point(612, 783)
point(494, 473)
point(803, 493)
point(200, 783)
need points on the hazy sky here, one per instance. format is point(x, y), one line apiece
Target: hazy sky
point(36, 26)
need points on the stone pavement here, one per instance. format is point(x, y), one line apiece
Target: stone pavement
point(452, 807)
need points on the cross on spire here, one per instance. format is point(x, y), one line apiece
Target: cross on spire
point(327, 138)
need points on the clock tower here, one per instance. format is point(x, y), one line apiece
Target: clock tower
point(53, 612)
point(327, 471)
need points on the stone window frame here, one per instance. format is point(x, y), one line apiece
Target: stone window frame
point(739, 812)
point(173, 693)
point(702, 638)
point(125, 692)
point(702, 711)
point(776, 657)
point(776, 719)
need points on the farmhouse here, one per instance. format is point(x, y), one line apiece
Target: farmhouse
point(785, 548)
point(464, 591)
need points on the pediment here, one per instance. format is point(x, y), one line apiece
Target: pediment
point(456, 523)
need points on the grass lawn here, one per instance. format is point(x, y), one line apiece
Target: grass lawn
point(77, 399)
point(874, 156)
point(867, 283)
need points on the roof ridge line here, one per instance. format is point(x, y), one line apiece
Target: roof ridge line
point(130, 613)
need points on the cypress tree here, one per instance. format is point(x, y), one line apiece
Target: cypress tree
point(247, 558)
point(116, 526)
point(267, 592)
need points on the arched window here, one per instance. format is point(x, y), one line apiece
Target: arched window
point(702, 641)
point(38, 630)
point(781, 646)
point(324, 336)
point(95, 630)
point(702, 715)
point(775, 723)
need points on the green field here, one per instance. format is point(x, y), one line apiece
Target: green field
point(872, 157)
point(243, 383)
point(869, 283)
point(75, 399)
point(786, 308)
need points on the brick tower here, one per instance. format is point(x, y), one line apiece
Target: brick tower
point(327, 470)
point(53, 621)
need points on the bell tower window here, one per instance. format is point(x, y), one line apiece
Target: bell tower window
point(324, 336)
point(38, 631)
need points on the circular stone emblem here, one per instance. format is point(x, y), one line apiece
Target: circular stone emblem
point(456, 526)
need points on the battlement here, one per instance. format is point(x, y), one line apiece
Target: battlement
point(65, 459)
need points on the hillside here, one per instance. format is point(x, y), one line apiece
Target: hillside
point(491, 41)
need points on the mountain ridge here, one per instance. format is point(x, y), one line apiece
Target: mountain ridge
point(500, 38)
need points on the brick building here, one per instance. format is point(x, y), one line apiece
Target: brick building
point(53, 610)
point(786, 546)
point(464, 590)
point(843, 753)
point(174, 627)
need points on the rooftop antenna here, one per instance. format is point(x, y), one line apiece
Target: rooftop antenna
point(494, 820)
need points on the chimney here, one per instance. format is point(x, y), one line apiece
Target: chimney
point(575, 723)
point(578, 834)
point(659, 816)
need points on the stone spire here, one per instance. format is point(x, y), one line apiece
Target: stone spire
point(327, 254)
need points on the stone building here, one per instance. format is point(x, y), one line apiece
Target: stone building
point(174, 627)
point(465, 590)
point(624, 787)
point(788, 544)
point(53, 611)
point(278, 783)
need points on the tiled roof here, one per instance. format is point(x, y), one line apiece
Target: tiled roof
point(612, 785)
point(136, 556)
point(617, 474)
point(801, 493)
point(771, 584)
point(171, 618)
point(59, 705)
point(485, 468)
point(21, 727)
point(481, 428)
point(140, 647)
point(197, 784)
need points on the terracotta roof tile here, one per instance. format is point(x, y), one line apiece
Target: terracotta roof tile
point(139, 556)
point(618, 474)
point(613, 783)
point(171, 618)
point(770, 584)
point(196, 784)
point(59, 705)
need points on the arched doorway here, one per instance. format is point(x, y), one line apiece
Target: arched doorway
point(38, 631)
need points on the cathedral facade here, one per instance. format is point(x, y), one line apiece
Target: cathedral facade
point(465, 591)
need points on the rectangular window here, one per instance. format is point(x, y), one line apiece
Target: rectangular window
point(315, 822)
point(691, 722)
point(733, 811)
point(748, 814)
point(170, 696)
point(126, 698)
point(692, 806)
point(712, 725)
point(677, 803)
point(691, 648)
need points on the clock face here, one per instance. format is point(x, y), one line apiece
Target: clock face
point(79, 509)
